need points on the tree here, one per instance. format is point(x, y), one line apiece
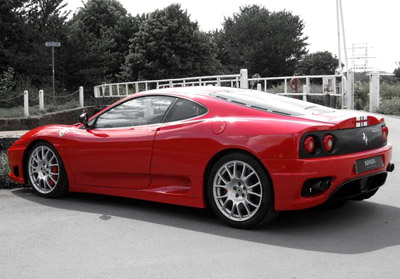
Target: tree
point(264, 42)
point(99, 41)
point(396, 72)
point(25, 25)
point(318, 63)
point(46, 21)
point(169, 45)
point(12, 32)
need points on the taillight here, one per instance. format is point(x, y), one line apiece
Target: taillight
point(328, 143)
point(309, 144)
point(385, 132)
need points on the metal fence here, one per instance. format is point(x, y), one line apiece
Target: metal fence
point(126, 88)
point(332, 90)
point(40, 99)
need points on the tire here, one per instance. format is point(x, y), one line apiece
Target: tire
point(45, 171)
point(239, 191)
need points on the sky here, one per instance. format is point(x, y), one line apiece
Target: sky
point(374, 23)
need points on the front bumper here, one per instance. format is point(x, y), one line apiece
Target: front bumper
point(288, 176)
point(15, 158)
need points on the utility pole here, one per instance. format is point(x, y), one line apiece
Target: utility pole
point(53, 45)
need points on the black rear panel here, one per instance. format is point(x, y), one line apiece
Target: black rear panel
point(346, 141)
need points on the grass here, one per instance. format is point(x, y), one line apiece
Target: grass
point(34, 110)
point(4, 167)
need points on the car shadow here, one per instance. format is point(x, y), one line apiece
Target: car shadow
point(358, 227)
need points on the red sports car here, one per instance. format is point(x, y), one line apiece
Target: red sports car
point(244, 153)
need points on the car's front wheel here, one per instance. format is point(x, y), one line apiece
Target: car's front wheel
point(45, 171)
point(239, 191)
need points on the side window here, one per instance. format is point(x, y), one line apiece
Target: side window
point(184, 109)
point(135, 112)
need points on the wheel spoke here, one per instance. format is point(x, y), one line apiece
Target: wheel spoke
point(51, 159)
point(229, 173)
point(45, 155)
point(242, 176)
point(223, 179)
point(254, 194)
point(48, 183)
point(252, 204)
point(234, 170)
point(254, 185)
point(238, 211)
point(223, 196)
point(55, 182)
point(250, 174)
point(233, 209)
point(246, 207)
point(225, 204)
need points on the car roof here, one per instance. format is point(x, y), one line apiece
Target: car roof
point(250, 98)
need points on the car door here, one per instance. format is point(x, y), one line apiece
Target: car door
point(177, 143)
point(116, 151)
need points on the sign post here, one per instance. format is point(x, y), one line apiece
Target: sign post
point(53, 45)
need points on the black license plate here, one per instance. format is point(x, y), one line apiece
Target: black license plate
point(368, 164)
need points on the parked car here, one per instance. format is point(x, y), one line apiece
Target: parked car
point(246, 154)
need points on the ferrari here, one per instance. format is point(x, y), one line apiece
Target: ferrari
point(246, 154)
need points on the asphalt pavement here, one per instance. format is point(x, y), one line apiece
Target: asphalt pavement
point(93, 236)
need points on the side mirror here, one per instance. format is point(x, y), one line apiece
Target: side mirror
point(83, 119)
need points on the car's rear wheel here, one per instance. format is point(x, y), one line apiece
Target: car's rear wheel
point(46, 173)
point(239, 191)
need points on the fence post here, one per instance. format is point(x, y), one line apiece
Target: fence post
point(81, 99)
point(259, 87)
point(26, 103)
point(244, 80)
point(41, 99)
point(285, 86)
point(350, 90)
point(374, 86)
point(305, 92)
point(327, 100)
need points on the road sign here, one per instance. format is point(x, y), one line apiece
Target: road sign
point(52, 44)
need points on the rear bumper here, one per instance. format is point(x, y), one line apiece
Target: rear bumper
point(288, 176)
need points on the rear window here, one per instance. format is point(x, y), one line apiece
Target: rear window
point(184, 109)
point(270, 102)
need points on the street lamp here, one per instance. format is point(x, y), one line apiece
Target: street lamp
point(53, 45)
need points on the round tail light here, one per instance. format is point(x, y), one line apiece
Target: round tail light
point(309, 144)
point(328, 143)
point(385, 132)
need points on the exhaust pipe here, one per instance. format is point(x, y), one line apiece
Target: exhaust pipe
point(390, 167)
point(316, 186)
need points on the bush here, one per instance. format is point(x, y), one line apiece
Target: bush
point(361, 95)
point(390, 90)
point(390, 106)
point(4, 167)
